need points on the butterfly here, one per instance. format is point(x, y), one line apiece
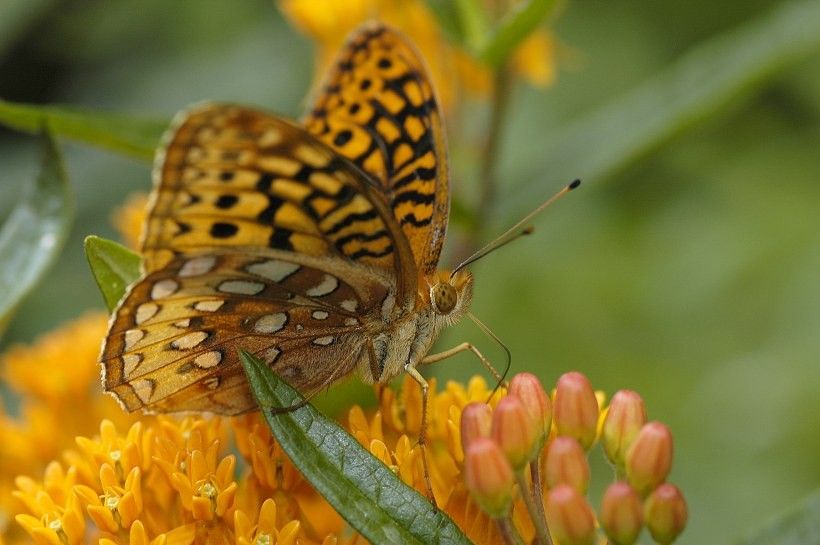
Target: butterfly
point(313, 246)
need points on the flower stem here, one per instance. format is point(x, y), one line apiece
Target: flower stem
point(542, 535)
point(489, 162)
point(508, 532)
point(538, 492)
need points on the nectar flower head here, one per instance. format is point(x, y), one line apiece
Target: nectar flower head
point(566, 463)
point(621, 513)
point(576, 408)
point(665, 513)
point(515, 432)
point(649, 458)
point(489, 477)
point(624, 419)
point(571, 519)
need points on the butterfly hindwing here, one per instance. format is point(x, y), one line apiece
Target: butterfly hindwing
point(174, 343)
point(377, 108)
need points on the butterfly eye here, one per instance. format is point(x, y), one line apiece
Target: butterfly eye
point(444, 297)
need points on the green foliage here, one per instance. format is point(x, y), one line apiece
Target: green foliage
point(697, 86)
point(513, 29)
point(34, 233)
point(119, 133)
point(114, 267)
point(800, 525)
point(370, 497)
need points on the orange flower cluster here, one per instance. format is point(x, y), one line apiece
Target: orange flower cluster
point(502, 443)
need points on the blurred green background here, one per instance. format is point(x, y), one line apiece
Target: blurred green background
point(686, 268)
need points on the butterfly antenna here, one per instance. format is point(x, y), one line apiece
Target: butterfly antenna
point(500, 379)
point(516, 230)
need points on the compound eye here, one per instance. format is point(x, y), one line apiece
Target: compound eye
point(444, 297)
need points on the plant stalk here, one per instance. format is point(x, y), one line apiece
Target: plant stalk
point(508, 532)
point(536, 511)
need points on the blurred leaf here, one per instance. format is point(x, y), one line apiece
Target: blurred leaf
point(370, 497)
point(446, 15)
point(695, 87)
point(16, 16)
point(35, 231)
point(120, 133)
point(798, 526)
point(523, 18)
point(113, 265)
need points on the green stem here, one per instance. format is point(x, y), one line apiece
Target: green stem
point(508, 532)
point(538, 493)
point(489, 161)
point(542, 536)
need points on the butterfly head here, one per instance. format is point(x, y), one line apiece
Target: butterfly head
point(450, 294)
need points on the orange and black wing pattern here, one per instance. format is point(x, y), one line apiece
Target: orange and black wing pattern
point(378, 108)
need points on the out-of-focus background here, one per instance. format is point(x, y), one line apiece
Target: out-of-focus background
point(688, 269)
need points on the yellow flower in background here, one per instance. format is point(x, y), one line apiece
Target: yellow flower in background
point(454, 72)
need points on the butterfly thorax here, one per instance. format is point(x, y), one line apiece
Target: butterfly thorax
point(441, 302)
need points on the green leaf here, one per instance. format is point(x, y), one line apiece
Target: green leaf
point(800, 525)
point(370, 497)
point(695, 87)
point(114, 267)
point(447, 18)
point(35, 231)
point(519, 23)
point(123, 134)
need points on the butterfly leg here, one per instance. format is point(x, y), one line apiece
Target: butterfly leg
point(463, 347)
point(425, 387)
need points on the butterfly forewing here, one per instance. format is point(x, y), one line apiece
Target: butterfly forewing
point(174, 342)
point(378, 108)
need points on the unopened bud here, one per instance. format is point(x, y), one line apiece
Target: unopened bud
point(514, 432)
point(527, 388)
point(489, 477)
point(665, 513)
point(649, 458)
point(566, 463)
point(570, 518)
point(621, 514)
point(624, 419)
point(576, 408)
point(476, 421)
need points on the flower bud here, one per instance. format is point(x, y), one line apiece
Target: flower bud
point(476, 421)
point(527, 388)
point(649, 458)
point(665, 513)
point(621, 514)
point(514, 432)
point(566, 463)
point(576, 408)
point(570, 518)
point(489, 477)
point(624, 419)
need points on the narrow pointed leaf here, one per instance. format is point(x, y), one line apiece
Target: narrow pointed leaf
point(123, 134)
point(799, 525)
point(35, 231)
point(695, 87)
point(370, 497)
point(514, 28)
point(113, 265)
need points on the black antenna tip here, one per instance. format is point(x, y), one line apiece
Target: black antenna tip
point(575, 183)
point(528, 230)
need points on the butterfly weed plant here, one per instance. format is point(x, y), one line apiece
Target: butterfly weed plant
point(263, 244)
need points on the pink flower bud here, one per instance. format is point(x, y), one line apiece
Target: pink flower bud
point(566, 463)
point(649, 458)
point(665, 513)
point(527, 388)
point(513, 430)
point(621, 514)
point(476, 421)
point(570, 518)
point(576, 408)
point(624, 419)
point(489, 477)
